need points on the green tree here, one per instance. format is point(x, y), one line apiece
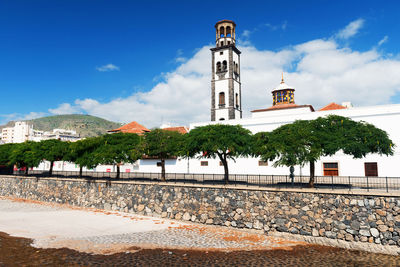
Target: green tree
point(163, 144)
point(304, 142)
point(5, 153)
point(53, 150)
point(82, 151)
point(118, 148)
point(219, 140)
point(25, 155)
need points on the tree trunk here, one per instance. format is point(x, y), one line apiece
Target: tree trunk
point(118, 172)
point(51, 168)
point(226, 171)
point(312, 171)
point(80, 171)
point(26, 170)
point(163, 169)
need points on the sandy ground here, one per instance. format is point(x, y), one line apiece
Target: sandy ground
point(105, 232)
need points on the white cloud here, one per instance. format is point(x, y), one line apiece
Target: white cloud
point(20, 117)
point(108, 67)
point(351, 29)
point(64, 108)
point(384, 40)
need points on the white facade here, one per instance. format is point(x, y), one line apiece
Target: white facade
point(17, 134)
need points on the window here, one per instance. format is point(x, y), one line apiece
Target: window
point(237, 100)
point(221, 32)
point(203, 163)
point(262, 163)
point(222, 99)
point(219, 66)
point(224, 65)
point(222, 43)
point(228, 31)
point(331, 169)
point(222, 119)
point(371, 168)
point(221, 53)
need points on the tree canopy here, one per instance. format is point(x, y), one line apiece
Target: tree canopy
point(162, 144)
point(118, 148)
point(219, 140)
point(304, 142)
point(52, 150)
point(25, 155)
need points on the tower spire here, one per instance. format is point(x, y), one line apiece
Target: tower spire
point(282, 81)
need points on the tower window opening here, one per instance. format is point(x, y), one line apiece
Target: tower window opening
point(221, 53)
point(222, 99)
point(237, 100)
point(228, 31)
point(224, 65)
point(222, 43)
point(229, 42)
point(221, 32)
point(219, 66)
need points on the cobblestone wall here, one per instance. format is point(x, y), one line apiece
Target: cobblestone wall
point(345, 217)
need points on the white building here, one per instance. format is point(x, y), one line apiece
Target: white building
point(17, 134)
point(226, 108)
point(22, 132)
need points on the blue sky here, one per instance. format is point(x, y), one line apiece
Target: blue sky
point(95, 56)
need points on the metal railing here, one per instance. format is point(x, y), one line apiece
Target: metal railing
point(350, 183)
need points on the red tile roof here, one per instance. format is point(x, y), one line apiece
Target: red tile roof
point(332, 106)
point(132, 127)
point(179, 129)
point(283, 106)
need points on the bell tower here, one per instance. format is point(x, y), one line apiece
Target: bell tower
point(226, 95)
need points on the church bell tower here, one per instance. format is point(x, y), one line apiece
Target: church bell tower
point(226, 95)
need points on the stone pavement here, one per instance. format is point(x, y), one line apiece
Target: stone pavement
point(104, 232)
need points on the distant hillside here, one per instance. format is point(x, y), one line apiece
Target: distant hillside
point(85, 125)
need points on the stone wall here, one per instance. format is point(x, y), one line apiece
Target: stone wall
point(370, 219)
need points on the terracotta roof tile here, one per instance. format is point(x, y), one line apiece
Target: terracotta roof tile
point(132, 127)
point(283, 106)
point(332, 106)
point(179, 129)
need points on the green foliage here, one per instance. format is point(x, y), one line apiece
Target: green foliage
point(219, 140)
point(82, 152)
point(162, 144)
point(118, 148)
point(5, 153)
point(25, 154)
point(53, 149)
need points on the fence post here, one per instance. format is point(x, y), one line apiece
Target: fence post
point(367, 185)
point(387, 186)
point(349, 184)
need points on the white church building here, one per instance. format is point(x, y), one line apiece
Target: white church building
point(226, 108)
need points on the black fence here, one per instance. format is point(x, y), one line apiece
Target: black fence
point(350, 183)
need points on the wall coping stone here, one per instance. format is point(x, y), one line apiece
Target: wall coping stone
point(240, 187)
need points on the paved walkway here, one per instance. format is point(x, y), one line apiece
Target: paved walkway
point(104, 232)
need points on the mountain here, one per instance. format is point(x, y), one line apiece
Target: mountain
point(85, 125)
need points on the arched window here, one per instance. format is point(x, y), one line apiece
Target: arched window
point(219, 66)
point(222, 99)
point(224, 65)
point(237, 100)
point(221, 32)
point(228, 31)
point(222, 43)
